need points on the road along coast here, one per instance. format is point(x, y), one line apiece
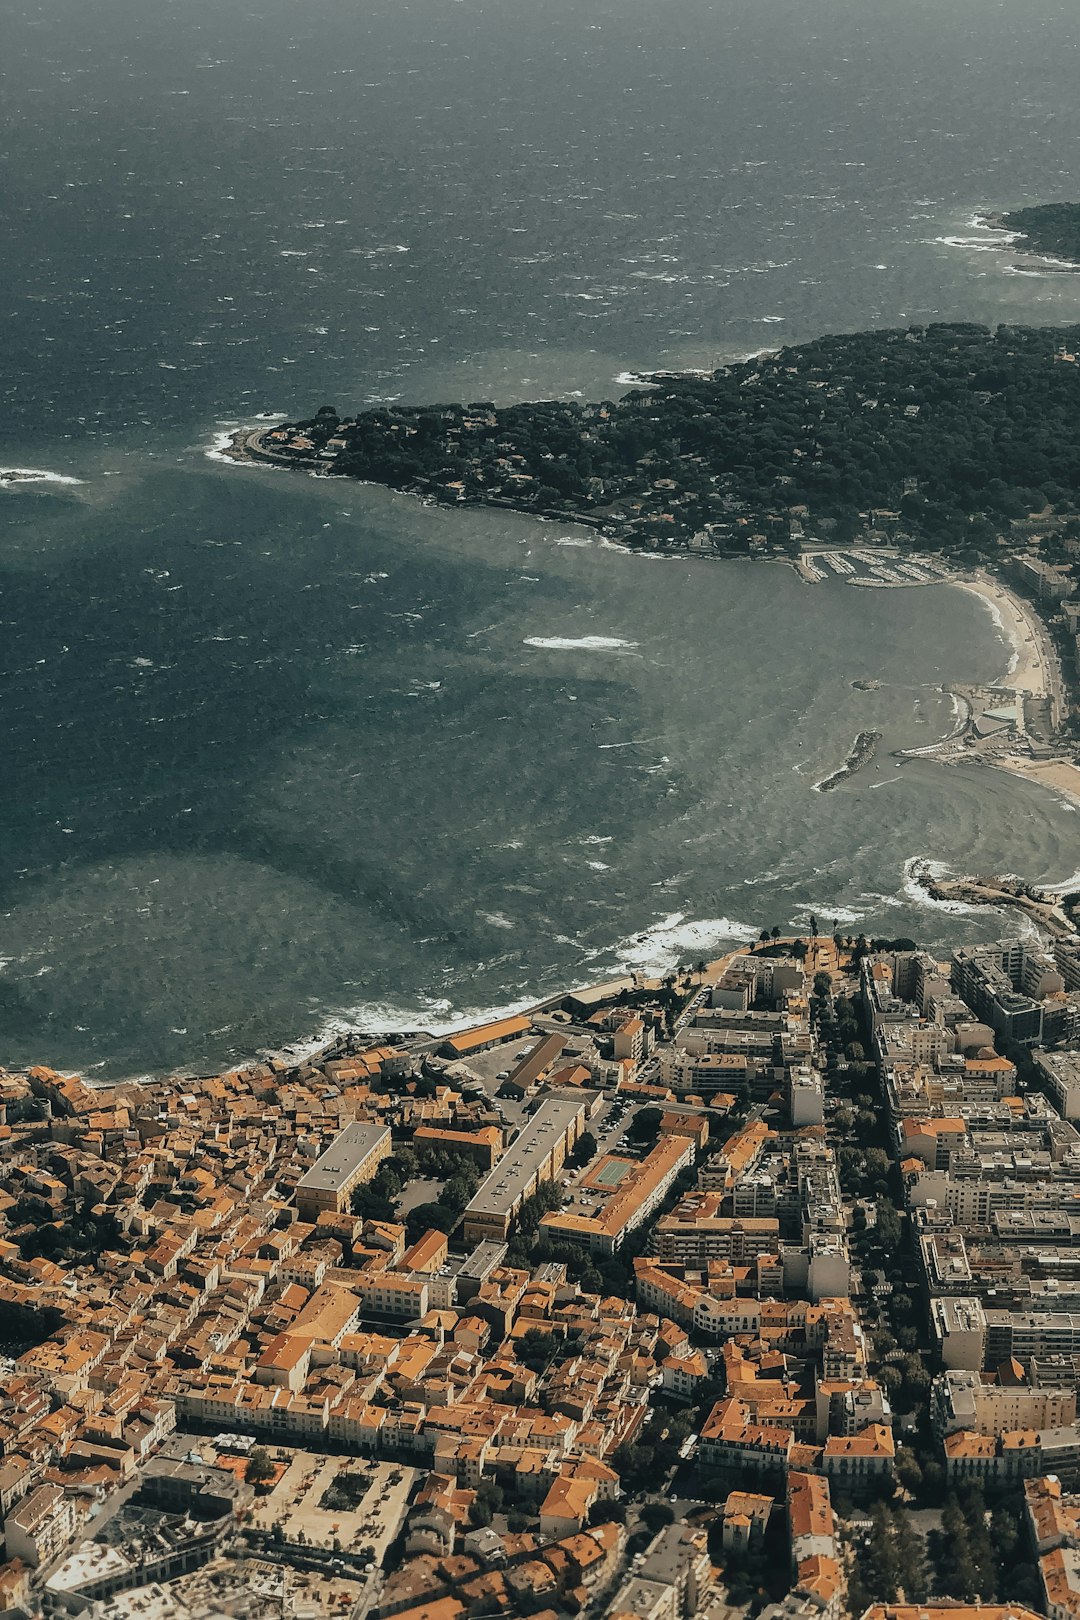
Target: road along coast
point(1015, 723)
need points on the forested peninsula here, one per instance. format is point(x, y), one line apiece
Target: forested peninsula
point(1052, 230)
point(947, 436)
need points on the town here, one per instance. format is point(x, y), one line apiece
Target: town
point(753, 1290)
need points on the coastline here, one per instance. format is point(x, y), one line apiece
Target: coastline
point(1061, 776)
point(1024, 630)
point(1038, 261)
point(1034, 673)
point(318, 1048)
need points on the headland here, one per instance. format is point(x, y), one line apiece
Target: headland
point(889, 459)
point(930, 438)
point(1049, 232)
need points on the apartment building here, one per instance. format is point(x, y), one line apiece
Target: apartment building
point(637, 1195)
point(537, 1155)
point(41, 1526)
point(351, 1159)
point(1061, 1072)
point(993, 1404)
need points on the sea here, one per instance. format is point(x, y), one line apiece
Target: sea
point(285, 755)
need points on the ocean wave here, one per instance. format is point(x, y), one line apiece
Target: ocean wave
point(15, 477)
point(436, 1015)
point(673, 939)
point(496, 919)
point(873, 901)
point(913, 890)
point(976, 244)
point(830, 913)
point(215, 451)
point(1054, 268)
point(579, 643)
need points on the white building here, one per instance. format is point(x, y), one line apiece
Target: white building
point(40, 1527)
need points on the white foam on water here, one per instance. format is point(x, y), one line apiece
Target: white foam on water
point(673, 939)
point(914, 892)
point(830, 913)
point(217, 447)
point(579, 643)
point(977, 245)
point(14, 477)
point(496, 919)
point(874, 901)
point(437, 1015)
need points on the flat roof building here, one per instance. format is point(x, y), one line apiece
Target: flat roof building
point(477, 1268)
point(536, 1156)
point(352, 1158)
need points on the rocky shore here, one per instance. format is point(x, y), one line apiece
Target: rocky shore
point(862, 752)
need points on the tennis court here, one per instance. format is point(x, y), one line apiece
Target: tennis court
point(609, 1172)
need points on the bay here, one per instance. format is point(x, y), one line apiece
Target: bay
point(284, 753)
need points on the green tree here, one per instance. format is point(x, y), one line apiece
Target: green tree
point(259, 1467)
point(610, 1512)
point(427, 1217)
point(655, 1515)
point(645, 1126)
point(584, 1149)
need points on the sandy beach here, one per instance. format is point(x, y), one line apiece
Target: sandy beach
point(1060, 775)
point(1034, 671)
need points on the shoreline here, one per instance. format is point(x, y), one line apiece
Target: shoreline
point(1024, 629)
point(1013, 242)
point(1061, 776)
point(321, 1047)
point(1034, 673)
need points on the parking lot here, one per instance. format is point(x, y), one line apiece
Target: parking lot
point(609, 1125)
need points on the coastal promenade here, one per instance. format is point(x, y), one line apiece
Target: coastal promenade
point(1014, 723)
point(1036, 669)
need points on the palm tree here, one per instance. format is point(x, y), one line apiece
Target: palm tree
point(775, 932)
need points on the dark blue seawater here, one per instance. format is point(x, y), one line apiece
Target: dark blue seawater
point(282, 753)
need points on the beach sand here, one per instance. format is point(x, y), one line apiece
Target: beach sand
point(1035, 672)
point(1060, 775)
point(1027, 636)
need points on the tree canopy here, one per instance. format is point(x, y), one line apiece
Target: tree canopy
point(949, 432)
